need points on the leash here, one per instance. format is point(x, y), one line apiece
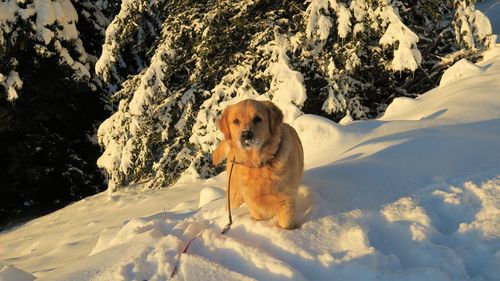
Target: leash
point(226, 228)
point(228, 225)
point(174, 271)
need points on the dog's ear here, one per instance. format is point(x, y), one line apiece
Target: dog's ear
point(275, 116)
point(224, 125)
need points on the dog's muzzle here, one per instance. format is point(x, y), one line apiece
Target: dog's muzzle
point(247, 138)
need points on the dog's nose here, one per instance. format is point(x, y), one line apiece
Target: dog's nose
point(246, 135)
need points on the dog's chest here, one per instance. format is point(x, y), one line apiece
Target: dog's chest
point(258, 181)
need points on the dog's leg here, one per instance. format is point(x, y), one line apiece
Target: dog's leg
point(286, 214)
point(220, 152)
point(236, 199)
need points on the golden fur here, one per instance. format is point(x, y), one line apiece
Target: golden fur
point(269, 166)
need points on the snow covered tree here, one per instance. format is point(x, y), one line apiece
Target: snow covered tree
point(93, 19)
point(129, 39)
point(189, 59)
point(472, 28)
point(50, 104)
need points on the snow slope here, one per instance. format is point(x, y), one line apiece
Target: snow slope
point(413, 195)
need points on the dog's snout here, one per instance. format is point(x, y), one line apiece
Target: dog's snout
point(246, 135)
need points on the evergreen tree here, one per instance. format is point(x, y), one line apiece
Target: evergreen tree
point(50, 106)
point(471, 27)
point(129, 39)
point(333, 58)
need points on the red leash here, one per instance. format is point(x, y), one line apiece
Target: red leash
point(174, 271)
point(226, 228)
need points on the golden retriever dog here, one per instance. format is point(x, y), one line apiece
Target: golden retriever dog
point(268, 160)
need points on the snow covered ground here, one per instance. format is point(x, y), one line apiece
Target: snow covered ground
point(413, 195)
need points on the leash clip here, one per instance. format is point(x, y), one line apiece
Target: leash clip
point(226, 228)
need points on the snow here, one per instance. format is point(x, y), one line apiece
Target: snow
point(318, 24)
point(153, 75)
point(48, 12)
point(209, 194)
point(7, 14)
point(112, 157)
point(483, 25)
point(287, 85)
point(406, 56)
point(10, 273)
point(111, 59)
point(491, 8)
point(42, 16)
point(359, 11)
point(324, 26)
point(343, 20)
point(413, 195)
point(461, 69)
point(473, 27)
point(12, 83)
point(486, 221)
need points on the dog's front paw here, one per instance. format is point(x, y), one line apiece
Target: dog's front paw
point(286, 215)
point(286, 222)
point(259, 216)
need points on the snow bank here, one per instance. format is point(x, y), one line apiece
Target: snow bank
point(209, 194)
point(461, 69)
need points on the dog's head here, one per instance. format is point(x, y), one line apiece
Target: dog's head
point(251, 123)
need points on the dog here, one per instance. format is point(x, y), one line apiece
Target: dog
point(268, 160)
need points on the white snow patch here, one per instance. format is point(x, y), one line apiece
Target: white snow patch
point(406, 210)
point(346, 119)
point(287, 85)
point(491, 8)
point(406, 56)
point(209, 194)
point(12, 84)
point(486, 221)
point(461, 69)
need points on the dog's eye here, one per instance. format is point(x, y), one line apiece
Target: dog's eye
point(236, 122)
point(257, 119)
